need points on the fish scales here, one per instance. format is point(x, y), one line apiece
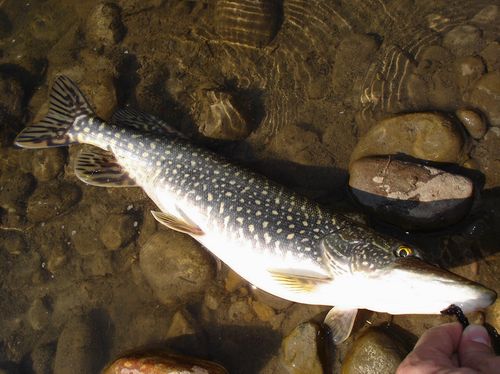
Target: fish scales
point(277, 240)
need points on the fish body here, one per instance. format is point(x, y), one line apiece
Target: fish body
point(279, 241)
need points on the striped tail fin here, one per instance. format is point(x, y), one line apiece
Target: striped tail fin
point(66, 104)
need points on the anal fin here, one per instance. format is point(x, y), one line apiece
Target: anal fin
point(340, 322)
point(100, 168)
point(176, 223)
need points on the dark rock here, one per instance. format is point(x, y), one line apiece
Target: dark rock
point(11, 95)
point(427, 136)
point(491, 55)
point(13, 242)
point(375, 352)
point(473, 122)
point(118, 231)
point(79, 348)
point(104, 26)
point(51, 200)
point(48, 163)
point(299, 350)
point(14, 187)
point(410, 195)
point(175, 275)
point(486, 96)
point(42, 359)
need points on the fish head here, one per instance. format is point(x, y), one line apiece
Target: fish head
point(383, 274)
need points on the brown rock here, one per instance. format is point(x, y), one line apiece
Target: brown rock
point(14, 187)
point(489, 14)
point(11, 95)
point(486, 96)
point(463, 40)
point(175, 275)
point(48, 163)
point(104, 25)
point(491, 55)
point(39, 314)
point(299, 350)
point(118, 231)
point(51, 200)
point(42, 359)
point(473, 122)
point(487, 153)
point(468, 70)
point(410, 195)
point(428, 136)
point(233, 281)
point(180, 326)
point(374, 352)
point(12, 241)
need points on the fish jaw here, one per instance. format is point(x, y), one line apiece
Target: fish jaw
point(412, 286)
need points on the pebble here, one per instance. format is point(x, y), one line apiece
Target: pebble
point(15, 187)
point(39, 314)
point(486, 96)
point(175, 276)
point(486, 152)
point(491, 55)
point(11, 95)
point(104, 27)
point(374, 352)
point(218, 116)
point(118, 231)
point(233, 281)
point(51, 200)
point(463, 40)
point(180, 326)
point(473, 122)
point(42, 358)
point(48, 163)
point(299, 350)
point(12, 242)
point(410, 195)
point(468, 70)
point(163, 364)
point(79, 349)
point(488, 14)
point(427, 136)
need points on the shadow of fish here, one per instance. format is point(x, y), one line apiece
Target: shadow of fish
point(279, 241)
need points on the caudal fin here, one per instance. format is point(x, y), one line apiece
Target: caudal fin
point(66, 104)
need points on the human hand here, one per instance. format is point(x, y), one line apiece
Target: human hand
point(448, 349)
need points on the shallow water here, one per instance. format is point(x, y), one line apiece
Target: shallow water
point(289, 95)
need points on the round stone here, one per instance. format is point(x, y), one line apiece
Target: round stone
point(463, 40)
point(51, 200)
point(299, 350)
point(48, 163)
point(104, 25)
point(473, 122)
point(118, 231)
point(486, 96)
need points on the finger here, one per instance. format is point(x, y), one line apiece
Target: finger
point(475, 350)
point(434, 350)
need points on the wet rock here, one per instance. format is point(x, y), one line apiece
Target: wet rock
point(163, 364)
point(11, 95)
point(374, 352)
point(42, 359)
point(118, 231)
point(468, 70)
point(463, 40)
point(488, 14)
point(13, 242)
point(277, 303)
point(299, 350)
point(78, 349)
point(57, 258)
point(104, 27)
point(48, 163)
point(39, 314)
point(14, 187)
point(51, 200)
point(173, 274)
point(410, 195)
point(218, 117)
point(473, 122)
point(486, 96)
point(427, 136)
point(44, 27)
point(487, 153)
point(239, 311)
point(491, 55)
point(148, 227)
point(233, 281)
point(180, 326)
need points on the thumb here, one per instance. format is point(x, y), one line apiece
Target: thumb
point(475, 350)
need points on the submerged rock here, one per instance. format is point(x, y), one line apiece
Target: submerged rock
point(486, 96)
point(410, 195)
point(42, 358)
point(39, 314)
point(374, 352)
point(118, 231)
point(163, 364)
point(299, 350)
point(175, 266)
point(473, 122)
point(427, 136)
point(48, 163)
point(51, 200)
point(463, 40)
point(104, 25)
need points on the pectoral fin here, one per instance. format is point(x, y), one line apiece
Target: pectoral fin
point(340, 322)
point(176, 223)
point(292, 280)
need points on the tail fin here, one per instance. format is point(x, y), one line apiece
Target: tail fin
point(66, 104)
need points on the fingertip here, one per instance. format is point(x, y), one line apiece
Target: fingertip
point(476, 334)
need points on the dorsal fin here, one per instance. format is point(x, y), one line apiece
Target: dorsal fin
point(143, 122)
point(65, 105)
point(100, 168)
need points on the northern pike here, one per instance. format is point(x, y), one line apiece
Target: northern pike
point(277, 240)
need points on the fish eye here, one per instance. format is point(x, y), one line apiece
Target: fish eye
point(404, 251)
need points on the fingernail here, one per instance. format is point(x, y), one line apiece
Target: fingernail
point(478, 334)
